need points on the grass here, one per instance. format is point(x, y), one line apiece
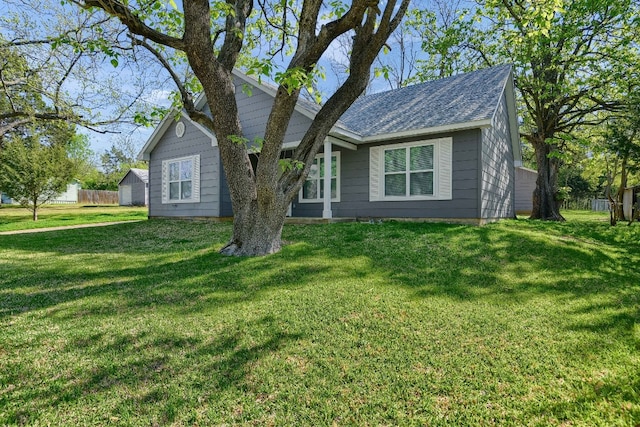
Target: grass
point(515, 323)
point(14, 217)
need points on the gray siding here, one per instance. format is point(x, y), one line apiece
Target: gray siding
point(254, 112)
point(170, 146)
point(497, 180)
point(354, 192)
point(138, 188)
point(525, 185)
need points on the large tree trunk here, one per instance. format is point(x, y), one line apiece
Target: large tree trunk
point(624, 177)
point(545, 204)
point(256, 230)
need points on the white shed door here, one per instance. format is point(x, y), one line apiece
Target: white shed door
point(125, 195)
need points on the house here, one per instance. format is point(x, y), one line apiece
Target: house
point(69, 196)
point(442, 150)
point(525, 185)
point(4, 199)
point(133, 188)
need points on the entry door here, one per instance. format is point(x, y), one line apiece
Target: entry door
point(125, 195)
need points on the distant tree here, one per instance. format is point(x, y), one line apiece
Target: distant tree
point(115, 163)
point(34, 171)
point(442, 28)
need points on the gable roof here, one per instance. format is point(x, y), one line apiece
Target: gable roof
point(143, 174)
point(464, 98)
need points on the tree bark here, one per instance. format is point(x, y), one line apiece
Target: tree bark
point(35, 210)
point(545, 203)
point(624, 177)
point(257, 230)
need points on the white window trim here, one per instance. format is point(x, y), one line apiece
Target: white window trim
point(442, 167)
point(195, 180)
point(336, 199)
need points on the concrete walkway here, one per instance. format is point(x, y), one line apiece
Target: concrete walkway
point(65, 227)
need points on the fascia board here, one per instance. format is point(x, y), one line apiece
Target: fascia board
point(334, 141)
point(475, 124)
point(158, 133)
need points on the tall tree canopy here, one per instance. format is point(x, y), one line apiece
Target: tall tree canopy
point(213, 36)
point(570, 57)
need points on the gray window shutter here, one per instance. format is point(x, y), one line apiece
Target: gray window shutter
point(445, 166)
point(374, 173)
point(196, 178)
point(165, 181)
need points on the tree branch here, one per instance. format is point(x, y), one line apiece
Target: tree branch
point(132, 21)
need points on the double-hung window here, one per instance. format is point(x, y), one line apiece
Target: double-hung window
point(181, 180)
point(417, 170)
point(313, 188)
point(408, 171)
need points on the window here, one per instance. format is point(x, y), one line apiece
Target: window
point(313, 188)
point(419, 170)
point(181, 180)
point(408, 171)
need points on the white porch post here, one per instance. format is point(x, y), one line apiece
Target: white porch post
point(326, 208)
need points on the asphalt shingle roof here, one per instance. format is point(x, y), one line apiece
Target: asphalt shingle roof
point(457, 99)
point(143, 174)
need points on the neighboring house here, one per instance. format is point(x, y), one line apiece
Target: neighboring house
point(4, 199)
point(445, 149)
point(525, 185)
point(69, 196)
point(133, 188)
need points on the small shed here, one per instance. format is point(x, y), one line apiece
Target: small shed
point(525, 185)
point(133, 188)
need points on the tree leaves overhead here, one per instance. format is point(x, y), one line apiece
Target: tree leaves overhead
point(78, 67)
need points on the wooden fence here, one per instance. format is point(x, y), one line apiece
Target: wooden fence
point(97, 197)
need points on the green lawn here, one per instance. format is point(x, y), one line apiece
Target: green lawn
point(515, 323)
point(14, 217)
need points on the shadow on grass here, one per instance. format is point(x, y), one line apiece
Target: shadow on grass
point(170, 266)
point(135, 379)
point(184, 274)
point(175, 266)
